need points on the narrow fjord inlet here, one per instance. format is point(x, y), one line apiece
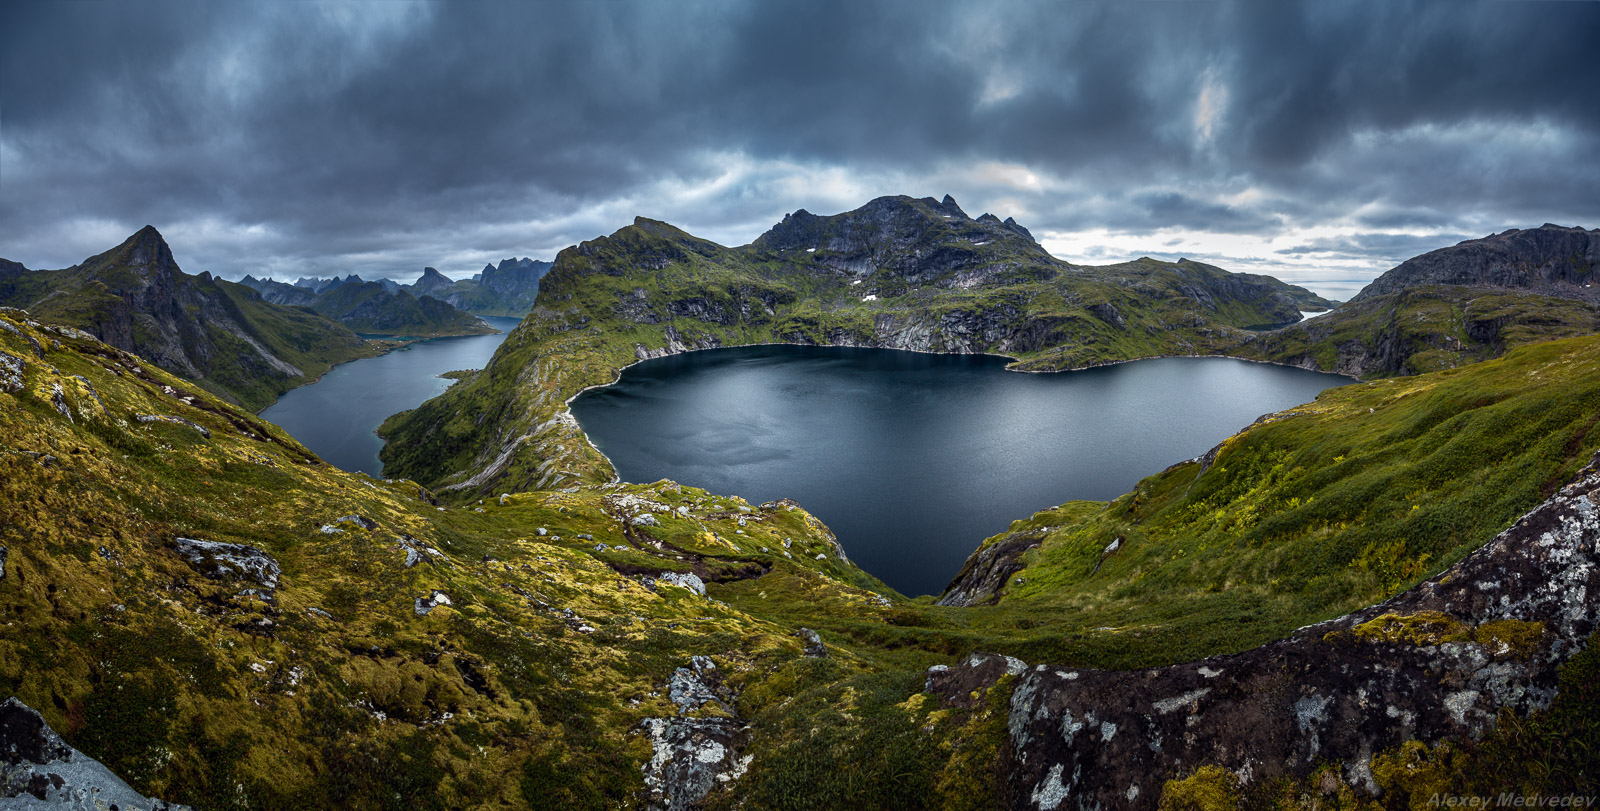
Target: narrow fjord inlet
point(914, 458)
point(335, 416)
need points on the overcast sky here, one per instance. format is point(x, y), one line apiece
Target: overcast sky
point(1321, 142)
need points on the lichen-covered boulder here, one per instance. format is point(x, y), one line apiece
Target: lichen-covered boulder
point(230, 561)
point(38, 770)
point(691, 756)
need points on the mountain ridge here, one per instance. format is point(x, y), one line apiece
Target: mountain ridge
point(372, 307)
point(218, 333)
point(1454, 305)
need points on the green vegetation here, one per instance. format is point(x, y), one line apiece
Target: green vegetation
point(504, 698)
point(1422, 329)
point(369, 308)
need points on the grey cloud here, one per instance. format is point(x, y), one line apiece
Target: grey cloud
point(381, 136)
point(1376, 245)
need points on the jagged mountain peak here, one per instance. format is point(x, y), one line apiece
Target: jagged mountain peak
point(923, 239)
point(145, 252)
point(1552, 260)
point(950, 206)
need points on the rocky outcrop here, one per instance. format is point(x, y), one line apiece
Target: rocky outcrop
point(39, 770)
point(691, 756)
point(1439, 662)
point(11, 369)
point(1551, 260)
point(230, 561)
point(986, 571)
point(201, 429)
point(425, 604)
point(813, 644)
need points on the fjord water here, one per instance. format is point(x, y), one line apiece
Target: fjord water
point(335, 417)
point(913, 459)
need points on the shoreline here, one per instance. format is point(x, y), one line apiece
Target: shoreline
point(402, 343)
point(616, 478)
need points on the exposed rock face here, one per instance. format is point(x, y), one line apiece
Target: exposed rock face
point(1435, 663)
point(693, 755)
point(230, 561)
point(1551, 260)
point(986, 571)
point(39, 770)
point(11, 369)
point(515, 278)
point(204, 431)
point(423, 605)
point(813, 641)
point(918, 239)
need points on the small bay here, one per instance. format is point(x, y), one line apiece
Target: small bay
point(335, 417)
point(913, 459)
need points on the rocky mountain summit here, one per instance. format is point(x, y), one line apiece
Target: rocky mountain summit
point(923, 241)
point(1550, 260)
point(508, 289)
point(223, 335)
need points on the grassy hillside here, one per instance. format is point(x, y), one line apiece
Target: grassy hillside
point(1422, 329)
point(1308, 514)
point(532, 686)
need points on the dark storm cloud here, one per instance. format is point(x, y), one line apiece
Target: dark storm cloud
point(379, 136)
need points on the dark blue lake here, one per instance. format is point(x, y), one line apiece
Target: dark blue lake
point(913, 459)
point(335, 417)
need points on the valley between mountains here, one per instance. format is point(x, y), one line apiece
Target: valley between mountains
point(1362, 601)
